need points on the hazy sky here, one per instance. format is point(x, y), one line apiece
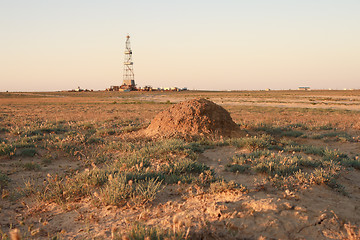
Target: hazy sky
point(228, 44)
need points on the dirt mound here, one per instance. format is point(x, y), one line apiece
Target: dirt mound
point(194, 117)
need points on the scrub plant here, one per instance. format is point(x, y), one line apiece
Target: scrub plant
point(285, 170)
point(4, 179)
point(140, 232)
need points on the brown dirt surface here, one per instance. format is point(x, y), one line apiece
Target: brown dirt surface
point(193, 117)
point(58, 126)
point(317, 212)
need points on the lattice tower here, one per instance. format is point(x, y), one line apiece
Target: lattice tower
point(128, 74)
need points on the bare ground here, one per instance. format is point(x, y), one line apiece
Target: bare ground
point(317, 212)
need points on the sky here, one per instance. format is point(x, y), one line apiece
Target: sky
point(50, 45)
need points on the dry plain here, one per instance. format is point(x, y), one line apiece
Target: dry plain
point(78, 166)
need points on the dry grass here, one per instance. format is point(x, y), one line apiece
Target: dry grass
point(82, 156)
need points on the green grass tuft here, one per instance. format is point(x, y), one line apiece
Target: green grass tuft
point(28, 152)
point(31, 166)
point(141, 232)
point(254, 143)
point(4, 179)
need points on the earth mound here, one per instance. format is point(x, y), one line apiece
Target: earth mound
point(193, 117)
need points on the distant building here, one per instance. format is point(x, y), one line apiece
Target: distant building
point(79, 89)
point(113, 88)
point(304, 88)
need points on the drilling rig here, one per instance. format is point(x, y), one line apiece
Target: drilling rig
point(128, 74)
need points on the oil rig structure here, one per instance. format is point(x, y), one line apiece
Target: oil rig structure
point(128, 72)
point(128, 83)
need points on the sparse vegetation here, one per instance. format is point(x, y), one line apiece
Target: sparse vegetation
point(84, 157)
point(119, 190)
point(291, 168)
point(288, 131)
point(133, 178)
point(141, 232)
point(4, 179)
point(254, 143)
point(28, 152)
point(7, 149)
point(31, 166)
point(4, 130)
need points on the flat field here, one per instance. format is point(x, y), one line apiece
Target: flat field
point(79, 166)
